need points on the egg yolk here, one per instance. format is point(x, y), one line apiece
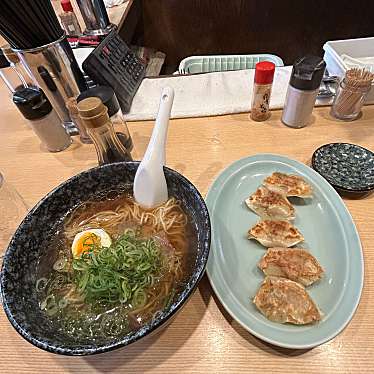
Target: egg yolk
point(85, 243)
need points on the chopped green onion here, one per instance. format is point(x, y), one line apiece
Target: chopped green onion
point(122, 272)
point(60, 264)
point(41, 284)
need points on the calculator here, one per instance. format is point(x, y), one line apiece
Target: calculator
point(112, 63)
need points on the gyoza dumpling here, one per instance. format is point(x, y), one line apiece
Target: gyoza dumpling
point(269, 204)
point(271, 233)
point(288, 185)
point(285, 301)
point(296, 264)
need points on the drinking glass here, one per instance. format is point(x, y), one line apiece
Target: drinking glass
point(12, 210)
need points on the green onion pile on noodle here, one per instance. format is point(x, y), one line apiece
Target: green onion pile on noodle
point(110, 290)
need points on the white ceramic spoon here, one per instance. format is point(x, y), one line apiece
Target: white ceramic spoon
point(150, 187)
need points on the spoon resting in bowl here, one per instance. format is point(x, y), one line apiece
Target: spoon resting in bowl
point(150, 187)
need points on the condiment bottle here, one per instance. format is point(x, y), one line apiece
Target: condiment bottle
point(35, 107)
point(69, 20)
point(263, 82)
point(109, 99)
point(100, 128)
point(302, 91)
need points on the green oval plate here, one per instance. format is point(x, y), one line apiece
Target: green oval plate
point(330, 235)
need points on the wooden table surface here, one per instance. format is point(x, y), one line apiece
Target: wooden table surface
point(203, 338)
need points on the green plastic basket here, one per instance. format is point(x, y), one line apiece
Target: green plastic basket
point(207, 64)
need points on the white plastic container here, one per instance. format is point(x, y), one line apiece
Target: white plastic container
point(356, 48)
point(207, 64)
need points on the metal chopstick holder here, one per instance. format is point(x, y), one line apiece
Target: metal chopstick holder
point(57, 72)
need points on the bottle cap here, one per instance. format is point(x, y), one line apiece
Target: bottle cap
point(107, 96)
point(93, 112)
point(66, 6)
point(9, 54)
point(264, 72)
point(32, 103)
point(307, 73)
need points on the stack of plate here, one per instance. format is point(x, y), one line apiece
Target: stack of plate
point(349, 168)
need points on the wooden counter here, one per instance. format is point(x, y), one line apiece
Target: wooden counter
point(202, 338)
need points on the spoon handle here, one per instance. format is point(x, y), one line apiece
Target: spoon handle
point(156, 146)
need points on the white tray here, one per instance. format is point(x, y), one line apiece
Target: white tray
point(208, 64)
point(356, 48)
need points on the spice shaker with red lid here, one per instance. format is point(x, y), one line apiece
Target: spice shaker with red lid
point(263, 82)
point(69, 20)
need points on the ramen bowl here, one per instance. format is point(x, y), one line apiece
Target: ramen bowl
point(31, 239)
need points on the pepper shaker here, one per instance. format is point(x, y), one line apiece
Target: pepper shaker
point(35, 107)
point(306, 77)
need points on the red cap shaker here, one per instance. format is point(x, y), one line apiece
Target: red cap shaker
point(66, 6)
point(264, 75)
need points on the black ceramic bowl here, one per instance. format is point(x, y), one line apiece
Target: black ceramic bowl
point(30, 241)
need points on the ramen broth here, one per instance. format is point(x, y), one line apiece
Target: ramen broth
point(109, 291)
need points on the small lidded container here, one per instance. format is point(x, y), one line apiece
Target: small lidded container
point(36, 108)
point(109, 99)
point(264, 75)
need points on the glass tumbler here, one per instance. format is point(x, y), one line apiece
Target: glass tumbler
point(12, 210)
point(348, 101)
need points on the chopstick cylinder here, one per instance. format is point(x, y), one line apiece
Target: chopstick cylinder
point(27, 24)
point(57, 73)
point(32, 29)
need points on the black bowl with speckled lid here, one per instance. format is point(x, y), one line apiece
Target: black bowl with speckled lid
point(349, 168)
point(30, 242)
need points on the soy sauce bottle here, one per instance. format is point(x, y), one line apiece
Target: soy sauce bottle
point(109, 99)
point(109, 148)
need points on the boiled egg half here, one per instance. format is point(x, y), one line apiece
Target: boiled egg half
point(84, 240)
